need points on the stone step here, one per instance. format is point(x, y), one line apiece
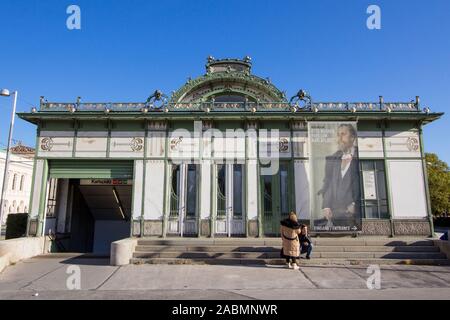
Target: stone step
point(375, 242)
point(374, 248)
point(318, 248)
point(342, 250)
point(208, 242)
point(276, 242)
point(276, 255)
point(315, 261)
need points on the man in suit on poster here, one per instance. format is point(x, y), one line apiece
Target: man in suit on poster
point(341, 185)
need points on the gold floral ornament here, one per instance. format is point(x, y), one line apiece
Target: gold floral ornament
point(137, 144)
point(412, 144)
point(47, 144)
point(283, 145)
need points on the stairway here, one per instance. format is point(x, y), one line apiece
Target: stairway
point(246, 251)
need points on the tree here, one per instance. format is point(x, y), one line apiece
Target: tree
point(439, 184)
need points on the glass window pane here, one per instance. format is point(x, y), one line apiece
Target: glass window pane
point(267, 195)
point(221, 199)
point(376, 208)
point(379, 165)
point(371, 210)
point(175, 179)
point(237, 190)
point(284, 196)
point(221, 178)
point(191, 190)
point(384, 212)
point(367, 165)
point(174, 192)
point(381, 185)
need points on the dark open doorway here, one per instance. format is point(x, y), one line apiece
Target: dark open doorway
point(96, 213)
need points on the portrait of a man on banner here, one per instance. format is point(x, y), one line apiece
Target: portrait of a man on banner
point(336, 176)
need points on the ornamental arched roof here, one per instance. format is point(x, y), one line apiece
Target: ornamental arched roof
point(228, 77)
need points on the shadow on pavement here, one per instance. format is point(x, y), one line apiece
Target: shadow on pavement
point(87, 259)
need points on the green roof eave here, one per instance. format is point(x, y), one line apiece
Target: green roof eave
point(425, 118)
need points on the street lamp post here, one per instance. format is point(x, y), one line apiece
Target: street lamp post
point(5, 93)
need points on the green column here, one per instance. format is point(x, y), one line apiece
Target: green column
point(42, 200)
point(425, 179)
point(388, 185)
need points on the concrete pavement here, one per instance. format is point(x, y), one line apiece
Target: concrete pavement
point(50, 278)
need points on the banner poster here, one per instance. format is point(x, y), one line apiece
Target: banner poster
point(335, 177)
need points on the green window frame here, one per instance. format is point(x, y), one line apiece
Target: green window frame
point(374, 206)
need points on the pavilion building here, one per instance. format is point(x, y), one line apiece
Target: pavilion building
point(195, 164)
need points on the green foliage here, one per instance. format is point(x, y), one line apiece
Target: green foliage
point(16, 225)
point(439, 184)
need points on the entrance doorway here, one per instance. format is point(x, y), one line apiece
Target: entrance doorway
point(277, 197)
point(183, 213)
point(90, 205)
point(86, 215)
point(230, 220)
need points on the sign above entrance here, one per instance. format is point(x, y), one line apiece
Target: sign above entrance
point(106, 182)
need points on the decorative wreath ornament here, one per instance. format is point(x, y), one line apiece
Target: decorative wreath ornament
point(412, 144)
point(137, 144)
point(47, 144)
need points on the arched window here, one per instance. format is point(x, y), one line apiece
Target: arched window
point(22, 182)
point(8, 181)
point(25, 210)
point(14, 182)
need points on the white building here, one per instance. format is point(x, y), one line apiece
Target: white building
point(19, 178)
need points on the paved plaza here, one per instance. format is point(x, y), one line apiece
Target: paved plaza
point(53, 277)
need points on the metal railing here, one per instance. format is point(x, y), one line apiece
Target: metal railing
point(233, 106)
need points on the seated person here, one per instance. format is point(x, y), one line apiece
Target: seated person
point(305, 242)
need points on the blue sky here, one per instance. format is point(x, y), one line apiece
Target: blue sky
point(127, 49)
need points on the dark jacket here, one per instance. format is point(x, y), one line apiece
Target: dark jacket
point(304, 238)
point(339, 192)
